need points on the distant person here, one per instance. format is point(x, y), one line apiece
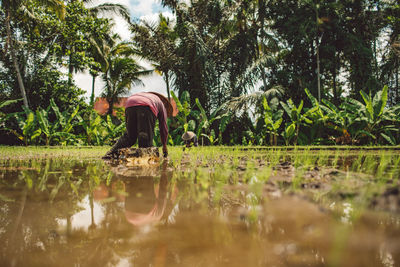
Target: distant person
point(189, 139)
point(141, 112)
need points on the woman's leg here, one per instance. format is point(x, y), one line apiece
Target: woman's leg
point(128, 139)
point(146, 122)
point(131, 120)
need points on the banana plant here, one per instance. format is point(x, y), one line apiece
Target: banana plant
point(29, 131)
point(48, 129)
point(289, 133)
point(252, 137)
point(372, 118)
point(65, 123)
point(318, 114)
point(92, 128)
point(183, 124)
point(206, 122)
point(319, 117)
point(112, 131)
point(8, 102)
point(297, 117)
point(184, 108)
point(273, 121)
point(340, 120)
point(211, 137)
point(3, 116)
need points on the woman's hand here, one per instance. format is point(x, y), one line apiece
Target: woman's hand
point(165, 151)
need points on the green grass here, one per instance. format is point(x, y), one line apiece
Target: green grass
point(300, 154)
point(35, 152)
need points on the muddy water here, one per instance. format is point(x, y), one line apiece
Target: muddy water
point(203, 208)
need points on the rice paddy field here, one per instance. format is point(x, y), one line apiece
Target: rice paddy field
point(206, 206)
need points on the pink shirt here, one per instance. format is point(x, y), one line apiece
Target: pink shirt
point(156, 106)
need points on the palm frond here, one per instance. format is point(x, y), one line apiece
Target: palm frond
point(108, 8)
point(245, 101)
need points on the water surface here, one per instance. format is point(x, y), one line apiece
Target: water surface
point(204, 207)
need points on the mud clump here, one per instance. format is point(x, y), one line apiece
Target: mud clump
point(315, 178)
point(136, 157)
point(389, 200)
point(126, 153)
point(136, 162)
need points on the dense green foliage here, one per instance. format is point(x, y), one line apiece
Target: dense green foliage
point(242, 72)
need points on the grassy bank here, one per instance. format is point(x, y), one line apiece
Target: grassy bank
point(22, 152)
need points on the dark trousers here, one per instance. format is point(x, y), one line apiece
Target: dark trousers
point(140, 122)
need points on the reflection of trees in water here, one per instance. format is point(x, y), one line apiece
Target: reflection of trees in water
point(219, 220)
point(37, 196)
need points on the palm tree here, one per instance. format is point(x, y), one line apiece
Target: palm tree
point(157, 44)
point(170, 3)
point(121, 73)
point(215, 44)
point(99, 50)
point(12, 9)
point(109, 8)
point(103, 9)
point(247, 102)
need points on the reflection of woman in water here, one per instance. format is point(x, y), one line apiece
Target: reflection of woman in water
point(145, 201)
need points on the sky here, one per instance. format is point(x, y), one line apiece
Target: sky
point(140, 10)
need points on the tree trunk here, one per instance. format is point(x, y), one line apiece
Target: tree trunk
point(334, 74)
point(397, 98)
point(70, 67)
point(318, 68)
point(167, 82)
point(110, 107)
point(261, 9)
point(318, 73)
point(15, 62)
point(70, 70)
point(92, 94)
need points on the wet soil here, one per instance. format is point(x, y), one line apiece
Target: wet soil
point(203, 208)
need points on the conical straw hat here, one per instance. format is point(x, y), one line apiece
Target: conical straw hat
point(170, 105)
point(188, 135)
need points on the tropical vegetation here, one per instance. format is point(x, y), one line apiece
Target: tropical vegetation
point(243, 72)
